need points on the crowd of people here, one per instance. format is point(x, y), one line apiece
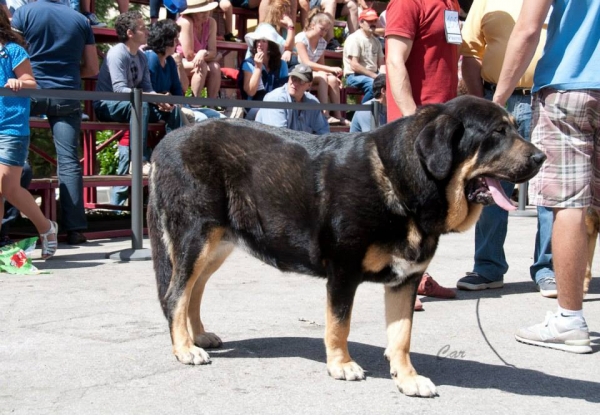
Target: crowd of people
point(512, 53)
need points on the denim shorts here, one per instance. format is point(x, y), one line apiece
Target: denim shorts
point(14, 150)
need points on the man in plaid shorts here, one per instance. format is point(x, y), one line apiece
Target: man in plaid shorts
point(566, 126)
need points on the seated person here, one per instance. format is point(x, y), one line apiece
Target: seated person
point(198, 47)
point(264, 70)
point(125, 68)
point(361, 122)
point(363, 55)
point(334, 9)
point(281, 20)
point(310, 121)
point(310, 45)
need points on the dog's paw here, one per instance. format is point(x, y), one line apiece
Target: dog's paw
point(192, 356)
point(345, 371)
point(415, 385)
point(208, 340)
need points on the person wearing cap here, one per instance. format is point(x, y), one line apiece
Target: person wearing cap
point(198, 46)
point(363, 55)
point(361, 122)
point(264, 70)
point(296, 90)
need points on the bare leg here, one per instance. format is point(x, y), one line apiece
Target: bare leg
point(214, 79)
point(199, 79)
point(350, 10)
point(569, 240)
point(227, 8)
point(10, 188)
point(123, 5)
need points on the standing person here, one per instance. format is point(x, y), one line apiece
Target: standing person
point(198, 47)
point(485, 34)
point(296, 90)
point(63, 50)
point(311, 45)
point(124, 69)
point(422, 68)
point(11, 213)
point(363, 55)
point(422, 64)
point(361, 122)
point(566, 104)
point(16, 73)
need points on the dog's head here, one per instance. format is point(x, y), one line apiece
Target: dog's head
point(473, 143)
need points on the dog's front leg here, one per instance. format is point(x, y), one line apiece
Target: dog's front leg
point(399, 308)
point(340, 297)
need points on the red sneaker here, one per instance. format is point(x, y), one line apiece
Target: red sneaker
point(429, 287)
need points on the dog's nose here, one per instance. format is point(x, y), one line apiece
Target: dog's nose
point(538, 157)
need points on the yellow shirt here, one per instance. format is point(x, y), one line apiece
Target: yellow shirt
point(485, 35)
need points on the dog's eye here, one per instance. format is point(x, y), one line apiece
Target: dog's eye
point(501, 129)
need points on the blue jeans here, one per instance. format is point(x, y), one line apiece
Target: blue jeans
point(490, 231)
point(120, 111)
point(65, 120)
point(363, 82)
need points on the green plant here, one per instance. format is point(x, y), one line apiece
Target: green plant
point(108, 157)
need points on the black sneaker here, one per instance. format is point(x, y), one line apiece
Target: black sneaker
point(229, 37)
point(75, 238)
point(94, 20)
point(475, 282)
point(334, 45)
point(5, 240)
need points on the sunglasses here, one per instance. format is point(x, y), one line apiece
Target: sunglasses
point(298, 81)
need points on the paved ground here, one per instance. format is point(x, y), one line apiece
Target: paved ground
point(90, 338)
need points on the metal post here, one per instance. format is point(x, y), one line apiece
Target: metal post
point(375, 111)
point(137, 251)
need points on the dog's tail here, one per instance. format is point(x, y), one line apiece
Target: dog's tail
point(163, 268)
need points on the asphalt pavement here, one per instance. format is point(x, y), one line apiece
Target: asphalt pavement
point(90, 338)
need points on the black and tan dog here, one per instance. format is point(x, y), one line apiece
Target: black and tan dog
point(347, 207)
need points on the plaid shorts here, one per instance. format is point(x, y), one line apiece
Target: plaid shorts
point(566, 126)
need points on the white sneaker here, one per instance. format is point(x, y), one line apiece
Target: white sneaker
point(566, 333)
point(146, 168)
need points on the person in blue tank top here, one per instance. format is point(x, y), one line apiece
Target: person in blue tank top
point(15, 74)
point(565, 125)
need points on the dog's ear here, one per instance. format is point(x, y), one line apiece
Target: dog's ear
point(434, 144)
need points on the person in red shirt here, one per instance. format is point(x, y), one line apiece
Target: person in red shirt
point(421, 48)
point(421, 58)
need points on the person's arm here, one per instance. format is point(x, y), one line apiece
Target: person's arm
point(521, 47)
point(89, 62)
point(357, 68)
point(180, 69)
point(289, 44)
point(271, 116)
point(398, 50)
point(315, 66)
point(117, 62)
point(252, 79)
point(24, 77)
point(471, 74)
point(211, 48)
point(186, 38)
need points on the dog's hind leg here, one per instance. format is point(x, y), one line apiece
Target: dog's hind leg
point(399, 308)
point(195, 327)
point(195, 253)
point(340, 297)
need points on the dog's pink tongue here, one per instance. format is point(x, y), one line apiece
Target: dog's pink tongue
point(498, 194)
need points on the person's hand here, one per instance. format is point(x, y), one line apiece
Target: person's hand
point(286, 21)
point(337, 71)
point(287, 55)
point(14, 84)
point(164, 106)
point(178, 58)
point(199, 58)
point(258, 59)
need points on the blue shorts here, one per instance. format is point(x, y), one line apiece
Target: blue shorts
point(14, 150)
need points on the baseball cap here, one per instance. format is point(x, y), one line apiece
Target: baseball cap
point(368, 15)
point(303, 72)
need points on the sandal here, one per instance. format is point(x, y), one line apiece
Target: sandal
point(48, 246)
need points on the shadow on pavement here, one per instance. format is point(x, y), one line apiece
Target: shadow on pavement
point(442, 371)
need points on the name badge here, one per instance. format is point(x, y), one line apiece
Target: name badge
point(452, 27)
